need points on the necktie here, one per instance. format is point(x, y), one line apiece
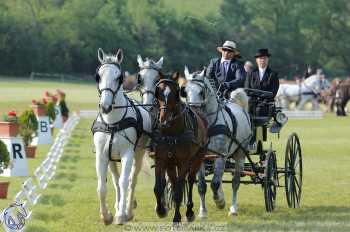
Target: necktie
point(226, 66)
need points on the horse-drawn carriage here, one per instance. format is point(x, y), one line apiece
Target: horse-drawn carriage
point(261, 167)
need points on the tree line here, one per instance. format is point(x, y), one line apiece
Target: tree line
point(62, 36)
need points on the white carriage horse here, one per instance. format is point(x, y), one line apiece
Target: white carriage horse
point(147, 77)
point(308, 90)
point(228, 125)
point(117, 135)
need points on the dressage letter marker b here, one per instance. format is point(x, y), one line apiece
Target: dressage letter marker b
point(44, 132)
point(43, 126)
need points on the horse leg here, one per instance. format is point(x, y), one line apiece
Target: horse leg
point(126, 161)
point(159, 187)
point(315, 105)
point(239, 166)
point(178, 196)
point(302, 102)
point(195, 166)
point(115, 177)
point(202, 189)
point(132, 183)
point(216, 186)
point(101, 171)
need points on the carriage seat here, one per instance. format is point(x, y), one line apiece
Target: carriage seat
point(260, 121)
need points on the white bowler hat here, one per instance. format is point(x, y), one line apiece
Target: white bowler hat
point(228, 45)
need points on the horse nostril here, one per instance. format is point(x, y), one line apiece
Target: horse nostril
point(107, 109)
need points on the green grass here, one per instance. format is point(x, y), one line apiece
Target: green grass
point(17, 94)
point(71, 201)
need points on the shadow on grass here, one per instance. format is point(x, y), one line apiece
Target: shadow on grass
point(68, 159)
point(54, 200)
point(46, 217)
point(310, 218)
point(70, 176)
point(36, 229)
point(61, 186)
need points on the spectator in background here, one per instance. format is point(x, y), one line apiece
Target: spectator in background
point(248, 67)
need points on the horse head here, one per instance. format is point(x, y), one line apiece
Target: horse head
point(147, 77)
point(168, 95)
point(196, 90)
point(109, 78)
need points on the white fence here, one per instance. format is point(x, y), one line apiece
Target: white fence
point(29, 195)
point(303, 114)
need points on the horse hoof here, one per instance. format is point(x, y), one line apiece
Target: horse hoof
point(191, 218)
point(130, 217)
point(203, 213)
point(120, 220)
point(233, 211)
point(162, 212)
point(220, 204)
point(134, 204)
point(108, 219)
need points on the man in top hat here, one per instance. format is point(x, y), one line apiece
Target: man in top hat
point(263, 77)
point(227, 71)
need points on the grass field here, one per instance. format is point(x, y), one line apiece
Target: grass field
point(70, 202)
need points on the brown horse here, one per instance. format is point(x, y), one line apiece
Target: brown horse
point(180, 146)
point(342, 96)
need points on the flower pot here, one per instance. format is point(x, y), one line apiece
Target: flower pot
point(39, 110)
point(30, 151)
point(3, 189)
point(8, 129)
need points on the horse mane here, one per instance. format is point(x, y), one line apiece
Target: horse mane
point(240, 97)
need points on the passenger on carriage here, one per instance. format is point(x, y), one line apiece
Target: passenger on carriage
point(262, 78)
point(227, 71)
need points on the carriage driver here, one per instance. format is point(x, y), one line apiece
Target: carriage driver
point(227, 71)
point(263, 78)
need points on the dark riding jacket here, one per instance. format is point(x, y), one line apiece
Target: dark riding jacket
point(234, 77)
point(269, 82)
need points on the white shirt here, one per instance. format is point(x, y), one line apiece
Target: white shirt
point(261, 72)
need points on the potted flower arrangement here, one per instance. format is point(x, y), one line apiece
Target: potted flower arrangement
point(4, 163)
point(28, 126)
point(38, 107)
point(9, 125)
point(63, 105)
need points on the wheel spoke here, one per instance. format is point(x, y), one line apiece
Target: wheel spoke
point(296, 183)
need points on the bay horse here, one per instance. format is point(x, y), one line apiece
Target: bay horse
point(342, 96)
point(118, 133)
point(229, 128)
point(180, 146)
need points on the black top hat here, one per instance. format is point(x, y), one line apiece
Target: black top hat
point(262, 52)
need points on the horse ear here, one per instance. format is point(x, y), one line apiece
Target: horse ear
point(159, 63)
point(187, 73)
point(204, 72)
point(100, 55)
point(139, 60)
point(120, 56)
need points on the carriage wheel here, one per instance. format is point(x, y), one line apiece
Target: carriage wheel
point(293, 171)
point(270, 181)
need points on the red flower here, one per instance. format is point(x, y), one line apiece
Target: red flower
point(12, 113)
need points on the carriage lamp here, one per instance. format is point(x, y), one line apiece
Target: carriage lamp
point(281, 118)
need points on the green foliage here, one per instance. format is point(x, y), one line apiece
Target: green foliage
point(28, 126)
point(65, 35)
point(50, 111)
point(4, 157)
point(64, 108)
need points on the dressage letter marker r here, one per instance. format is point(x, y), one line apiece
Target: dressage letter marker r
point(16, 148)
point(43, 126)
